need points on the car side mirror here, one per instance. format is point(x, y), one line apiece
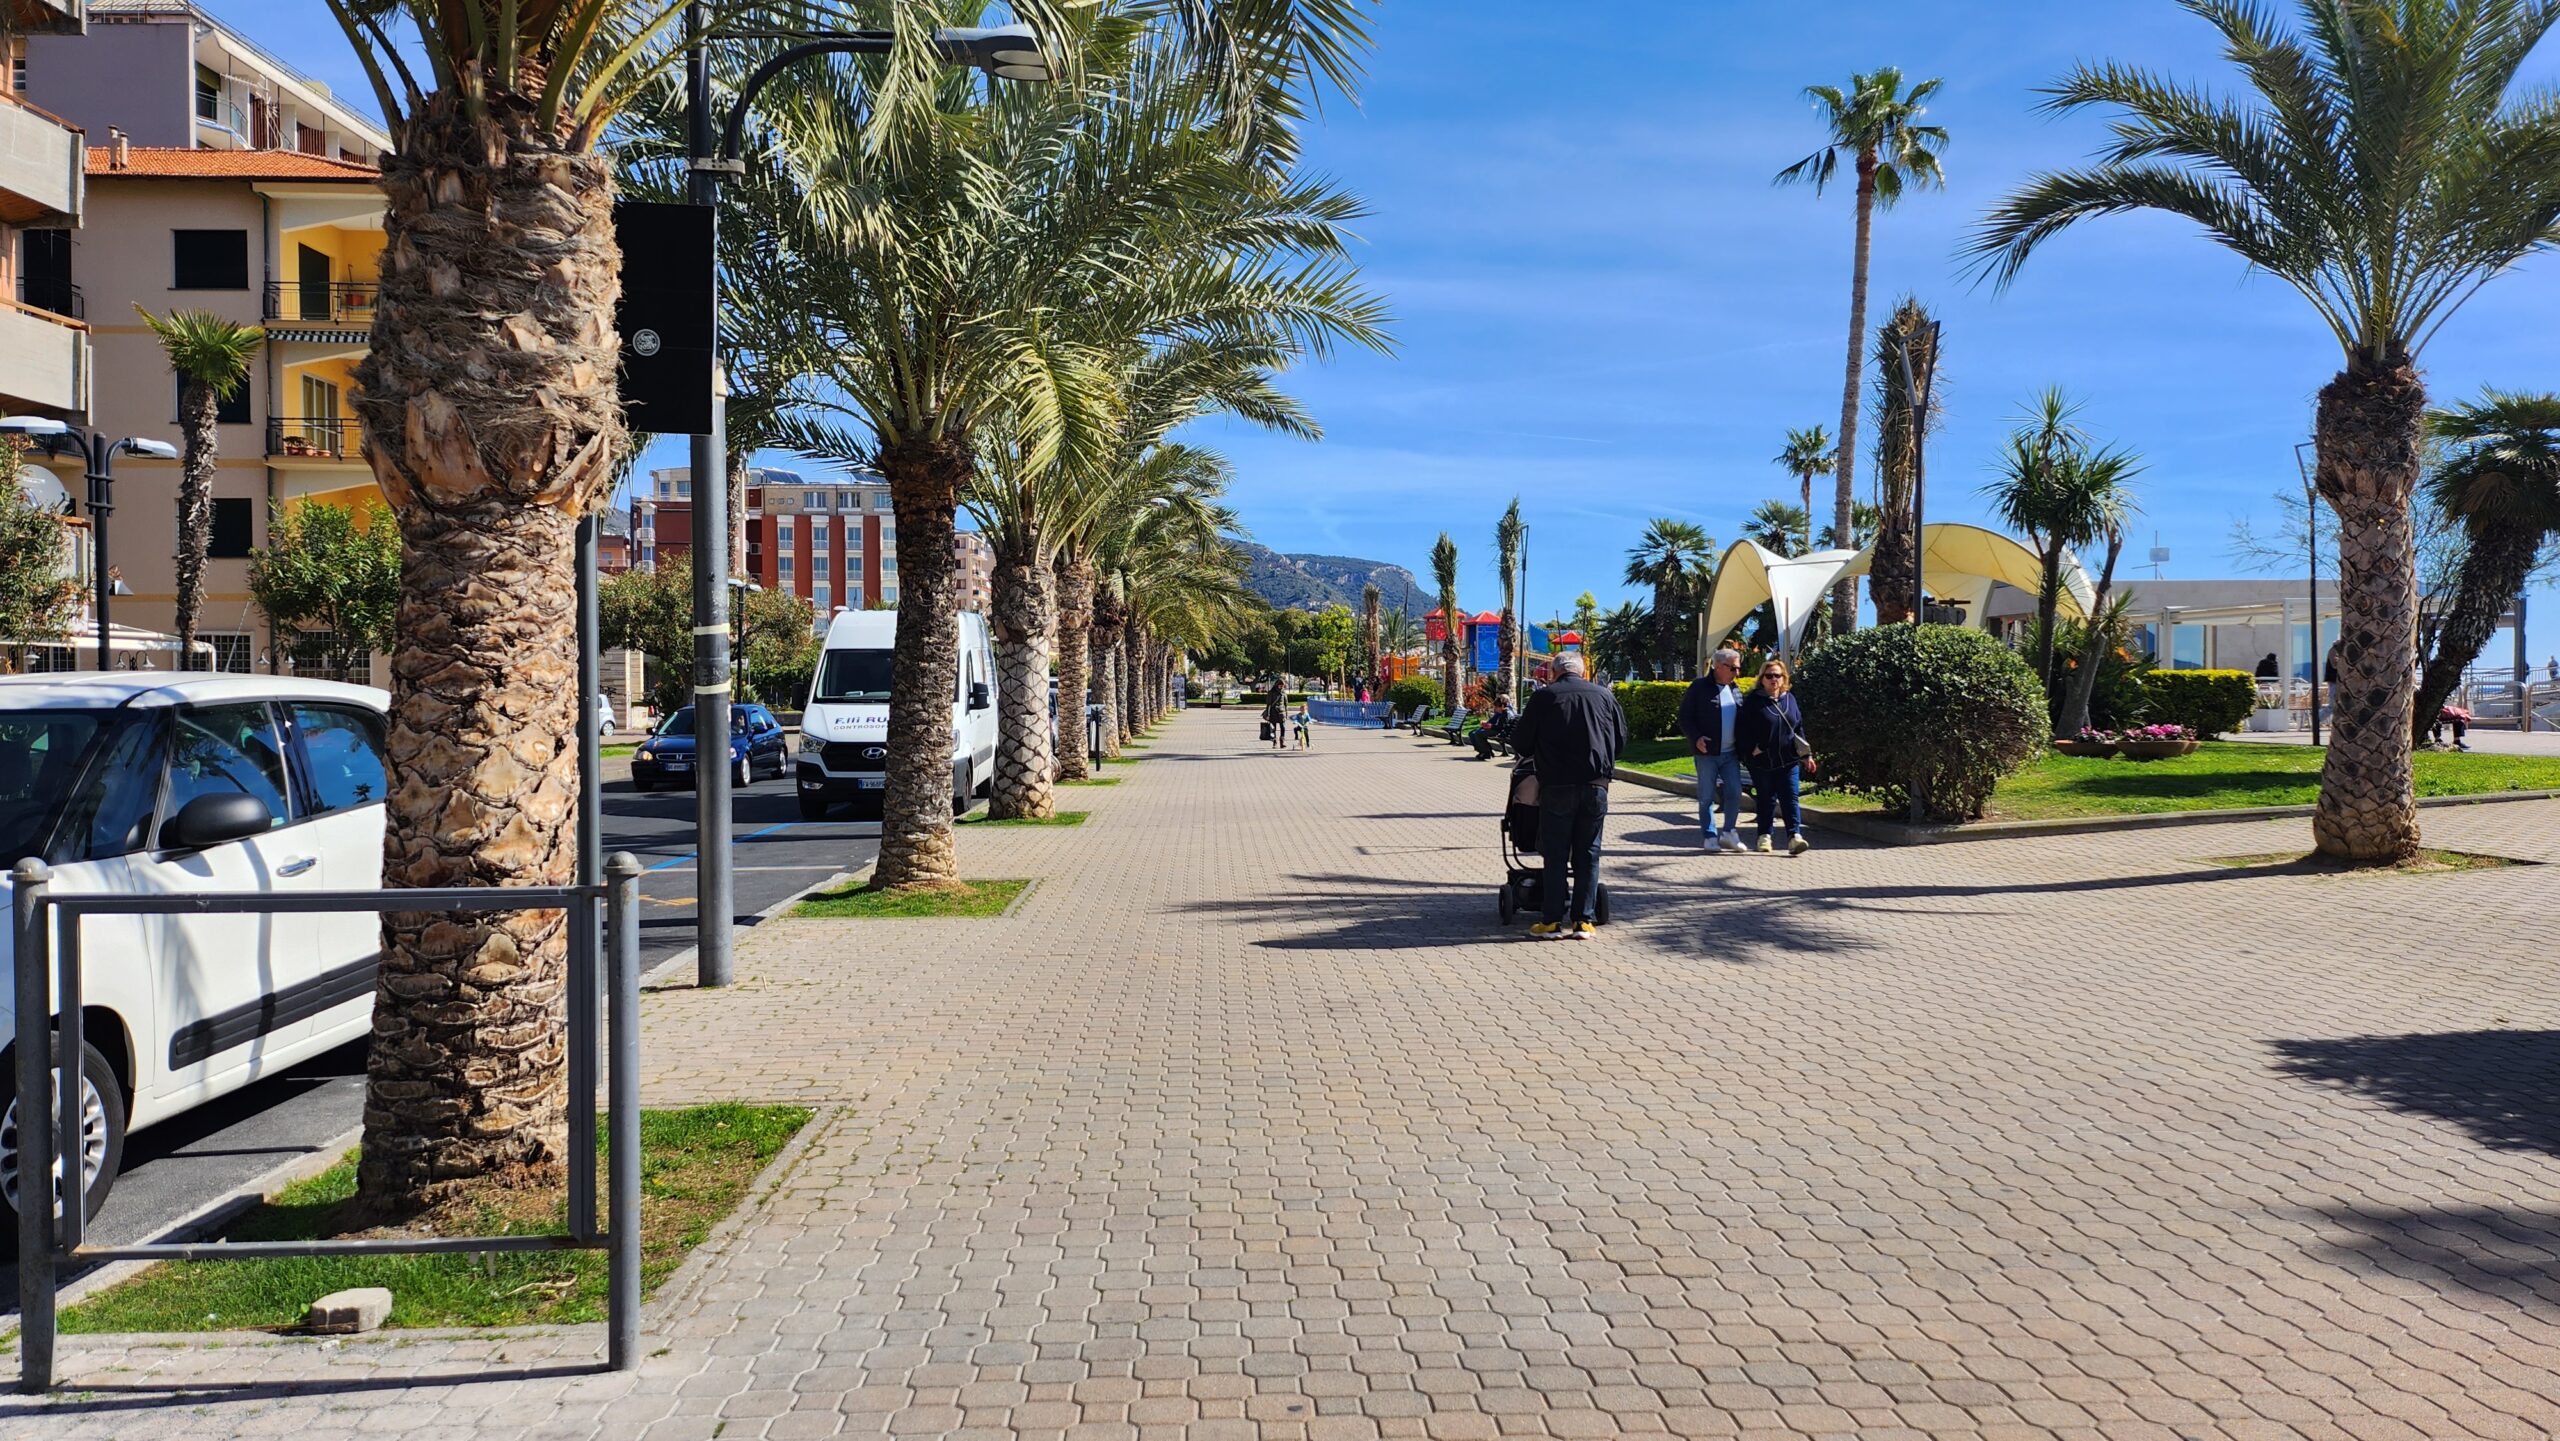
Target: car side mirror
point(978, 695)
point(209, 821)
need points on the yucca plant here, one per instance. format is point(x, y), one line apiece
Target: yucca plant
point(211, 356)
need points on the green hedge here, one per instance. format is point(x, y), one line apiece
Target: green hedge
point(1940, 707)
point(2210, 701)
point(1413, 691)
point(1652, 706)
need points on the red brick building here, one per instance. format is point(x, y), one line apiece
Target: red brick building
point(831, 542)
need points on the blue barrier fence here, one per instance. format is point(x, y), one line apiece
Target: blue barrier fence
point(1366, 715)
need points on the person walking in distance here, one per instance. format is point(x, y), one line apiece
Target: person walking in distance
point(1709, 711)
point(1572, 731)
point(1275, 713)
point(1772, 740)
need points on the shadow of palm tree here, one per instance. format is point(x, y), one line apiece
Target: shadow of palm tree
point(2502, 1087)
point(2510, 1254)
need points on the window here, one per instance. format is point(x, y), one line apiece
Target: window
point(320, 655)
point(818, 534)
point(113, 815)
point(227, 750)
point(888, 595)
point(234, 651)
point(822, 596)
point(787, 558)
point(684, 489)
point(232, 409)
point(853, 536)
point(211, 260)
point(889, 565)
point(342, 755)
point(783, 529)
point(231, 537)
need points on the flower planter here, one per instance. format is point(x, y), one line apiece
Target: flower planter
point(2155, 750)
point(2096, 749)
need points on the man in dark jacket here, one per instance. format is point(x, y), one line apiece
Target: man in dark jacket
point(1708, 710)
point(1573, 731)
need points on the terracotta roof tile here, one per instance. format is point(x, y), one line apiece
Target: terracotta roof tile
point(152, 162)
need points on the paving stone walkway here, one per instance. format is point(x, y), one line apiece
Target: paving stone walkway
point(1251, 1122)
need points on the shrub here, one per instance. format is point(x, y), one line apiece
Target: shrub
point(2208, 702)
point(1652, 706)
point(1413, 691)
point(1940, 708)
point(2119, 699)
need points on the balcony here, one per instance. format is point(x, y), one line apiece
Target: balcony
point(344, 303)
point(41, 164)
point(44, 362)
point(315, 438)
point(56, 297)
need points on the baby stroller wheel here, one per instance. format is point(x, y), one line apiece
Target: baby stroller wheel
point(1507, 901)
point(1600, 906)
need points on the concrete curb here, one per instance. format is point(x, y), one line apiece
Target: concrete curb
point(1895, 833)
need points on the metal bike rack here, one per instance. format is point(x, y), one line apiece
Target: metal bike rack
point(601, 951)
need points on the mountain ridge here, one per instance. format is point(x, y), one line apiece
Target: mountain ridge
point(1310, 581)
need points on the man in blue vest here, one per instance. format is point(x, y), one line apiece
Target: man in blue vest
point(1707, 714)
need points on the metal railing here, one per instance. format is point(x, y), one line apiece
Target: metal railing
point(340, 302)
point(51, 1026)
point(60, 297)
point(336, 437)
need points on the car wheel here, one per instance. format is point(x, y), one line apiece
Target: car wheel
point(963, 788)
point(813, 805)
point(743, 774)
point(101, 1139)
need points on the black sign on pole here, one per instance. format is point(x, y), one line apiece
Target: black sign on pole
point(665, 316)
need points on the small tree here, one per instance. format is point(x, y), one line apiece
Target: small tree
point(38, 597)
point(651, 611)
point(334, 569)
point(211, 356)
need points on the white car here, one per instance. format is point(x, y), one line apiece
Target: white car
point(147, 784)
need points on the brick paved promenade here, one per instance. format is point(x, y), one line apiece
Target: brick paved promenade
point(1251, 1123)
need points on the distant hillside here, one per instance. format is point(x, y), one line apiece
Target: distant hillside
point(1312, 582)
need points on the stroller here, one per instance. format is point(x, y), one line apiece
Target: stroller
point(1524, 874)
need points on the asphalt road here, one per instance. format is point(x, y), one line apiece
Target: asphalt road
point(174, 1169)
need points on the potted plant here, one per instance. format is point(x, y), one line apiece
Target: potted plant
point(2152, 743)
point(2094, 743)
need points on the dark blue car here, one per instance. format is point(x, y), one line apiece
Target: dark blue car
point(757, 747)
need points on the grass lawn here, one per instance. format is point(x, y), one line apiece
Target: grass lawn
point(695, 1165)
point(2220, 775)
point(1093, 781)
point(1062, 818)
point(609, 752)
point(2427, 862)
point(970, 898)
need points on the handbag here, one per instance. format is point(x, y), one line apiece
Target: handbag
point(1804, 749)
point(1266, 730)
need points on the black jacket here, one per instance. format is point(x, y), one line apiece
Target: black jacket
point(1701, 719)
point(1573, 730)
point(1766, 731)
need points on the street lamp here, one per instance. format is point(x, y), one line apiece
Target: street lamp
point(1007, 52)
point(97, 457)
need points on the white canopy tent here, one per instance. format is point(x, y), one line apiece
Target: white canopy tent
point(1959, 564)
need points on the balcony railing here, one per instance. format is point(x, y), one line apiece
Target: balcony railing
point(334, 438)
point(58, 296)
point(341, 302)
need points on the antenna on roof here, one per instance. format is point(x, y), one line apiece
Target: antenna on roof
point(2159, 555)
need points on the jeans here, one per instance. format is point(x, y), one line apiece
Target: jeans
point(1776, 786)
point(1569, 820)
point(1719, 775)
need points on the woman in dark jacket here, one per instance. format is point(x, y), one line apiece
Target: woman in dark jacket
point(1275, 713)
point(1769, 735)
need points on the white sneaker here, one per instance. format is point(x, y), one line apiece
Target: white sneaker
point(1731, 841)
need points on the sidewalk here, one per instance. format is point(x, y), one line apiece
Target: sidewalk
point(1251, 1122)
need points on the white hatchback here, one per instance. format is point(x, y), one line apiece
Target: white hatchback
point(144, 784)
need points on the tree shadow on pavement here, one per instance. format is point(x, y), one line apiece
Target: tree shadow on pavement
point(92, 1398)
point(2511, 1254)
point(2502, 1087)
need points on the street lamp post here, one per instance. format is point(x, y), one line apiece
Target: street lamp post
point(97, 464)
point(1009, 52)
point(2311, 547)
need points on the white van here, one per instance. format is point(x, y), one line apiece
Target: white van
point(844, 732)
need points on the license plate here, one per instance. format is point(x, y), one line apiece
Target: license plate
point(871, 783)
point(678, 765)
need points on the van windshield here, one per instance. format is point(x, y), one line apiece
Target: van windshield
point(851, 676)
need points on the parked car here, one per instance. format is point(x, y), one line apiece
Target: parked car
point(844, 732)
point(152, 784)
point(757, 747)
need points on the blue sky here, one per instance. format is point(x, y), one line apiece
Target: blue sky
point(1605, 308)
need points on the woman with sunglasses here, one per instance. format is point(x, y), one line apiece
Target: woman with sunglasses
point(1770, 736)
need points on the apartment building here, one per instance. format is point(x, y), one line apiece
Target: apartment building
point(172, 77)
point(973, 571)
point(831, 542)
point(44, 338)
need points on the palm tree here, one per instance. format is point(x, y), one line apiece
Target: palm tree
point(211, 356)
point(1618, 640)
point(1808, 455)
point(1369, 600)
point(1444, 574)
point(2061, 493)
point(1876, 127)
point(2502, 477)
point(1669, 558)
point(1908, 338)
point(1778, 527)
point(1508, 533)
point(2381, 161)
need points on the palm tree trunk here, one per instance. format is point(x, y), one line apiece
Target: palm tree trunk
point(925, 477)
point(1124, 660)
point(1106, 675)
point(2048, 611)
point(2493, 571)
point(1807, 480)
point(1075, 647)
point(476, 317)
point(2093, 651)
point(1844, 596)
point(1023, 613)
point(1666, 628)
point(737, 513)
point(1449, 663)
point(2369, 428)
point(195, 510)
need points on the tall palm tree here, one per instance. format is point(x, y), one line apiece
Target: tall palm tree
point(1369, 600)
point(1508, 533)
point(2381, 161)
point(211, 356)
point(1444, 574)
point(2502, 477)
point(1808, 456)
point(1669, 558)
point(1905, 342)
point(1778, 527)
point(1618, 640)
point(1874, 126)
